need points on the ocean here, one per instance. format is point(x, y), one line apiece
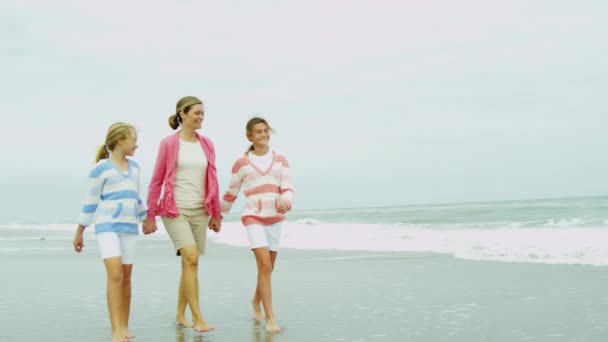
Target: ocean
point(496, 271)
point(550, 231)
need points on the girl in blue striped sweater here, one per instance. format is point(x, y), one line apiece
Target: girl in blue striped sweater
point(114, 207)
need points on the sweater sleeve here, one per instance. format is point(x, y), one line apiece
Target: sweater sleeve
point(92, 199)
point(212, 200)
point(287, 188)
point(236, 181)
point(156, 183)
point(141, 207)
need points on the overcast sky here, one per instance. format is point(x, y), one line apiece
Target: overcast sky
point(374, 103)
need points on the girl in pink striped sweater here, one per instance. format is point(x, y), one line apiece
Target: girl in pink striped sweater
point(265, 178)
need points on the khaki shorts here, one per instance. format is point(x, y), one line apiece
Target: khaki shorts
point(188, 229)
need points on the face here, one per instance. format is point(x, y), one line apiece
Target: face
point(259, 135)
point(129, 144)
point(194, 118)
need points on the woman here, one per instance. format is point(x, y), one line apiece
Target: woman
point(185, 171)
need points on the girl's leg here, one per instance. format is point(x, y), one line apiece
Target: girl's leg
point(114, 296)
point(262, 257)
point(190, 255)
point(126, 298)
point(257, 300)
point(127, 245)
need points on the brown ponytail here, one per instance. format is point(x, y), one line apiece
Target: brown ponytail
point(174, 121)
point(183, 106)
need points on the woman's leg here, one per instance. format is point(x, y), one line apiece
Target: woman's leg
point(188, 233)
point(182, 303)
point(178, 229)
point(189, 279)
point(262, 257)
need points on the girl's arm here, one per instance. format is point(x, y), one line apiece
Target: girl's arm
point(142, 211)
point(236, 181)
point(78, 240)
point(92, 199)
point(156, 183)
point(141, 207)
point(287, 188)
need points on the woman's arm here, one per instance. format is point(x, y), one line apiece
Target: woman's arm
point(156, 182)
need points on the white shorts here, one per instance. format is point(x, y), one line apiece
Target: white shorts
point(113, 244)
point(264, 236)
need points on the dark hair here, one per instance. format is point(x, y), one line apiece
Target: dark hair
point(249, 127)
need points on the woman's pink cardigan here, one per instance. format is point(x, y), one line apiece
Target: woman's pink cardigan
point(164, 177)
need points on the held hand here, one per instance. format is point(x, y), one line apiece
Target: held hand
point(215, 224)
point(78, 243)
point(149, 226)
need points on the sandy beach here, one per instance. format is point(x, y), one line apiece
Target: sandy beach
point(50, 293)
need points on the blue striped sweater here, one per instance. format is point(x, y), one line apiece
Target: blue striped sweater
point(113, 203)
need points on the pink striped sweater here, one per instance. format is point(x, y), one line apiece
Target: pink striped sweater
point(262, 188)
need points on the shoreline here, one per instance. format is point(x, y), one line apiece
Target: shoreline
point(319, 295)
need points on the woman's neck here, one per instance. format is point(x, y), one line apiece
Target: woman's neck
point(188, 134)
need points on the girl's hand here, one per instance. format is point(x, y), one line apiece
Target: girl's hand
point(78, 242)
point(149, 226)
point(282, 206)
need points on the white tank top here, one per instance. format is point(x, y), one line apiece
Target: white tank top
point(190, 175)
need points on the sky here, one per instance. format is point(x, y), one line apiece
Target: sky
point(374, 103)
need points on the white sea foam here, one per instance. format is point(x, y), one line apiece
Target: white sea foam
point(22, 249)
point(308, 220)
point(551, 245)
point(537, 245)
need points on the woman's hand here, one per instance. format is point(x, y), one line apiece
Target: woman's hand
point(215, 224)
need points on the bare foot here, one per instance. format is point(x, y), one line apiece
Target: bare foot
point(182, 321)
point(257, 311)
point(130, 335)
point(117, 337)
point(272, 327)
point(202, 326)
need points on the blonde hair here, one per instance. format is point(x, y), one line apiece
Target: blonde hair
point(116, 132)
point(249, 127)
point(183, 106)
